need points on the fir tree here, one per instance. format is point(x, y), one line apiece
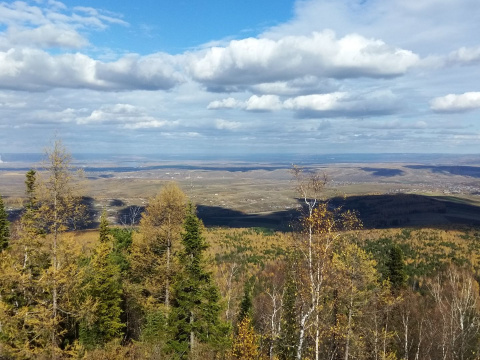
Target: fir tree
point(4, 227)
point(195, 307)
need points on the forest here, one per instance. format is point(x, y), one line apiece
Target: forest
point(170, 288)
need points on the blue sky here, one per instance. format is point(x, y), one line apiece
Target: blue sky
point(237, 77)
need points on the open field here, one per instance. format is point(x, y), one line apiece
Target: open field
point(243, 194)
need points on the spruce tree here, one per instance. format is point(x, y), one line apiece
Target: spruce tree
point(104, 230)
point(287, 346)
point(30, 183)
point(103, 286)
point(195, 313)
point(246, 303)
point(396, 268)
point(4, 226)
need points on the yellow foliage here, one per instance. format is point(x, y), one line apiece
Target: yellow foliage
point(245, 344)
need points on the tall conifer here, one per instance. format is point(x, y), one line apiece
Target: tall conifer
point(287, 346)
point(102, 285)
point(195, 315)
point(396, 268)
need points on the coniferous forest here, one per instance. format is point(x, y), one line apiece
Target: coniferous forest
point(170, 288)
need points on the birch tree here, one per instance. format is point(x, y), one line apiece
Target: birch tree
point(321, 226)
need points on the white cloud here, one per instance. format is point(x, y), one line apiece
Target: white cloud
point(456, 103)
point(125, 116)
point(465, 55)
point(306, 85)
point(318, 105)
point(221, 124)
point(319, 102)
point(95, 17)
point(343, 104)
point(254, 103)
point(118, 113)
point(21, 14)
point(255, 61)
point(44, 36)
point(425, 27)
point(30, 69)
point(146, 124)
point(263, 103)
point(228, 103)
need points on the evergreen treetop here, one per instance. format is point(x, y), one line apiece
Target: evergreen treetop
point(195, 315)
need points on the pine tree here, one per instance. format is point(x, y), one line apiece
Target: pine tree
point(4, 226)
point(195, 307)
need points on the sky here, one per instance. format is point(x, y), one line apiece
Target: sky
point(229, 77)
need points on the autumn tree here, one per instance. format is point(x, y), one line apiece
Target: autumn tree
point(356, 280)
point(321, 227)
point(245, 344)
point(195, 313)
point(60, 208)
point(160, 229)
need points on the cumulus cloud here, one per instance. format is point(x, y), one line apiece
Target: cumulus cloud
point(343, 104)
point(321, 54)
point(228, 103)
point(221, 124)
point(254, 103)
point(151, 124)
point(319, 102)
point(333, 104)
point(125, 116)
point(465, 56)
point(425, 27)
point(453, 103)
point(31, 69)
point(301, 86)
point(263, 103)
point(118, 113)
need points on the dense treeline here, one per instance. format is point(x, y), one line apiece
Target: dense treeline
point(170, 289)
